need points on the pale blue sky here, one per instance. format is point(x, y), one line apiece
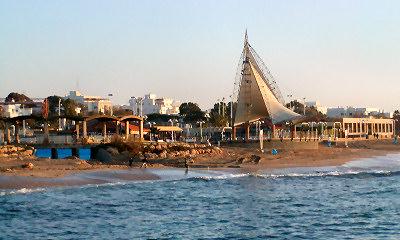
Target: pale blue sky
point(339, 52)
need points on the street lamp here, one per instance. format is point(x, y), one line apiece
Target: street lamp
point(201, 130)
point(59, 114)
point(231, 96)
point(223, 107)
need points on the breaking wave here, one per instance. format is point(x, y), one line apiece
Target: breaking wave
point(21, 191)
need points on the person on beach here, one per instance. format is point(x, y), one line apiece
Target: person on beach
point(144, 162)
point(208, 142)
point(130, 161)
point(186, 164)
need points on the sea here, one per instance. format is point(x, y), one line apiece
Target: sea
point(358, 200)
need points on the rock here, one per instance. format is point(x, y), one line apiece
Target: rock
point(193, 152)
point(9, 170)
point(158, 147)
point(217, 150)
point(28, 165)
point(29, 152)
point(13, 149)
point(150, 155)
point(103, 155)
point(240, 160)
point(170, 155)
point(82, 163)
point(126, 153)
point(113, 151)
point(255, 158)
point(163, 154)
point(178, 153)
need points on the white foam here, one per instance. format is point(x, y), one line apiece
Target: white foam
point(22, 191)
point(224, 176)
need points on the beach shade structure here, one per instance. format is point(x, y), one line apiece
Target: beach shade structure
point(168, 132)
point(258, 96)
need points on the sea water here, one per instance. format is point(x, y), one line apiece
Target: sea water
point(359, 200)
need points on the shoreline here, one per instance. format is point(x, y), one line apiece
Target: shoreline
point(76, 172)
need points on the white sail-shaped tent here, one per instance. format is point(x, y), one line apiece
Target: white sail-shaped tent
point(258, 96)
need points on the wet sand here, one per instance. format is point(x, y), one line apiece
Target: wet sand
point(77, 179)
point(68, 172)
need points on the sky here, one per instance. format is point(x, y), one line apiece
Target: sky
point(342, 53)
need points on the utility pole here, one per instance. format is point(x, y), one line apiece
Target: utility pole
point(59, 114)
point(111, 111)
point(223, 107)
point(231, 96)
point(304, 106)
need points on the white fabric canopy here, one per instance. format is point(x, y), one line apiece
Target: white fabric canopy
point(255, 98)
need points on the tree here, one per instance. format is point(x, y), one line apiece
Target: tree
point(218, 120)
point(220, 114)
point(121, 111)
point(396, 118)
point(312, 114)
point(191, 112)
point(160, 118)
point(68, 106)
point(17, 97)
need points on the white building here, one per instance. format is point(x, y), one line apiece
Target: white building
point(317, 105)
point(151, 104)
point(340, 112)
point(15, 110)
point(92, 103)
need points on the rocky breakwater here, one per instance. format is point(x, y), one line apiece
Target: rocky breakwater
point(156, 154)
point(176, 153)
point(12, 151)
point(11, 157)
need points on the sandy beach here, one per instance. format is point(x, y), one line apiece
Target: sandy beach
point(66, 172)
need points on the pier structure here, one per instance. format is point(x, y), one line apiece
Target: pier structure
point(81, 126)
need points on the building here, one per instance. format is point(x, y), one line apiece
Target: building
point(92, 104)
point(151, 104)
point(11, 110)
point(368, 127)
point(317, 105)
point(341, 112)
